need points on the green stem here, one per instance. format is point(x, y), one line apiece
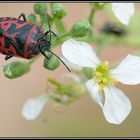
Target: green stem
point(61, 39)
point(60, 26)
point(54, 82)
point(90, 19)
point(64, 35)
point(91, 15)
point(43, 18)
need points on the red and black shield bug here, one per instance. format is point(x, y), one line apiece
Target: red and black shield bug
point(23, 39)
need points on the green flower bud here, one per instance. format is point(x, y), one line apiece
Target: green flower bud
point(80, 28)
point(52, 63)
point(31, 18)
point(88, 72)
point(65, 92)
point(40, 8)
point(69, 93)
point(58, 10)
point(15, 69)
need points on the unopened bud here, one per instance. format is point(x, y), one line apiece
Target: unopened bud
point(58, 10)
point(16, 69)
point(40, 8)
point(80, 28)
point(31, 18)
point(52, 63)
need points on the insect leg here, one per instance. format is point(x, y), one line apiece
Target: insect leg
point(8, 56)
point(50, 31)
point(23, 16)
point(46, 56)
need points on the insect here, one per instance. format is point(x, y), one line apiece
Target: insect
point(19, 38)
point(112, 28)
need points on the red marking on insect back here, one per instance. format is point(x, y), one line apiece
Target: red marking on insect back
point(2, 44)
point(20, 38)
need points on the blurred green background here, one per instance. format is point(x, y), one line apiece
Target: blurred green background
point(82, 118)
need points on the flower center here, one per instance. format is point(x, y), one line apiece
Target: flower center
point(103, 77)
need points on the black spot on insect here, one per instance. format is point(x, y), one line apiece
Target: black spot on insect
point(1, 19)
point(20, 22)
point(12, 29)
point(8, 18)
point(33, 49)
point(1, 32)
point(24, 28)
point(21, 39)
point(38, 30)
point(33, 35)
point(36, 36)
point(5, 24)
point(6, 43)
point(0, 44)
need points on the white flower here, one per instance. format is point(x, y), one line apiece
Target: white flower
point(115, 105)
point(33, 107)
point(123, 11)
point(71, 65)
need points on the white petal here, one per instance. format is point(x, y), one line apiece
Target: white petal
point(33, 107)
point(72, 66)
point(117, 106)
point(80, 53)
point(93, 88)
point(128, 71)
point(123, 11)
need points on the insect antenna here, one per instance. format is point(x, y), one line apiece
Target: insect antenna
point(43, 53)
point(60, 60)
point(50, 31)
point(54, 55)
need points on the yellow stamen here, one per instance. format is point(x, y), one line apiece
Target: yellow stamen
point(100, 89)
point(103, 77)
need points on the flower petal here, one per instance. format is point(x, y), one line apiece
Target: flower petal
point(93, 88)
point(128, 71)
point(33, 107)
point(72, 66)
point(80, 53)
point(123, 11)
point(117, 106)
